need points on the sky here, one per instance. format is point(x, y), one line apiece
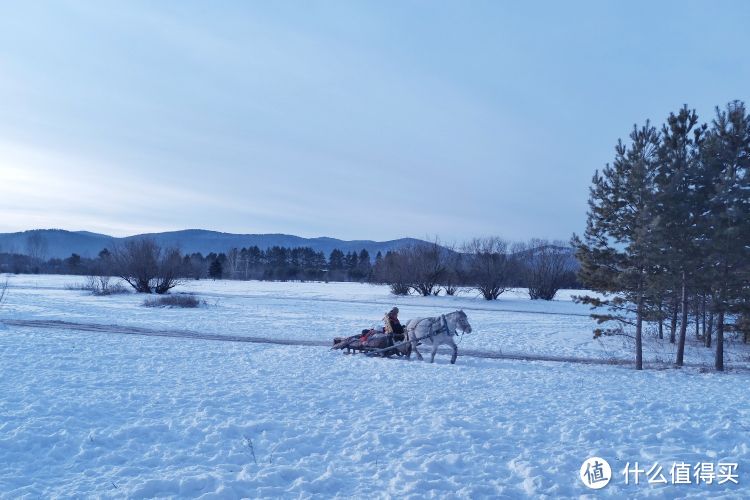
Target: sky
point(350, 119)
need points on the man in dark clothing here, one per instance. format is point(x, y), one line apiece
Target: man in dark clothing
point(392, 324)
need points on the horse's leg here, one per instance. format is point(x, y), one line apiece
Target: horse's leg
point(416, 351)
point(413, 347)
point(434, 351)
point(455, 351)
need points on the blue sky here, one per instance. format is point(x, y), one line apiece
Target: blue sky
point(341, 118)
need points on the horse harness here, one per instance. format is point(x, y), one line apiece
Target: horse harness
point(443, 328)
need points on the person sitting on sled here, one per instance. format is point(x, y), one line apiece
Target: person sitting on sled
point(392, 325)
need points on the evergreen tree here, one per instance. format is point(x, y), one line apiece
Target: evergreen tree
point(215, 270)
point(350, 261)
point(616, 252)
point(725, 225)
point(350, 264)
point(364, 266)
point(676, 211)
point(364, 257)
point(336, 260)
point(74, 263)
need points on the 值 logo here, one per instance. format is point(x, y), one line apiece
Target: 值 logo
point(595, 473)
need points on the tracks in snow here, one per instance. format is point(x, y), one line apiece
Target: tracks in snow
point(191, 335)
point(387, 303)
point(147, 332)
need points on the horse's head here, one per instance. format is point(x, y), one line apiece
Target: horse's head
point(462, 321)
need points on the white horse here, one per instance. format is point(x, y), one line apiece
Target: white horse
point(436, 331)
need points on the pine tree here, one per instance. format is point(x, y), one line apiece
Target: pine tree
point(336, 259)
point(725, 225)
point(350, 264)
point(676, 210)
point(364, 267)
point(617, 249)
point(215, 270)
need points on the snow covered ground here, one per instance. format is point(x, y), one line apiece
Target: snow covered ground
point(320, 311)
point(95, 414)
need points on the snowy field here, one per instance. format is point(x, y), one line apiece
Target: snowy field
point(101, 414)
point(319, 311)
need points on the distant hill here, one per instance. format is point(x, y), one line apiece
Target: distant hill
point(569, 252)
point(59, 243)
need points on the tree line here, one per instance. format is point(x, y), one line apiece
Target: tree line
point(667, 239)
point(489, 266)
point(275, 263)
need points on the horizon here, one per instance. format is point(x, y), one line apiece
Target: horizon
point(194, 229)
point(350, 120)
point(448, 244)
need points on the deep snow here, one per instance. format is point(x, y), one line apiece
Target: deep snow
point(86, 414)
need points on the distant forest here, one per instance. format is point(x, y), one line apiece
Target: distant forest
point(489, 266)
point(276, 263)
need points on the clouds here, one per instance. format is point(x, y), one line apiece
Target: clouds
point(363, 120)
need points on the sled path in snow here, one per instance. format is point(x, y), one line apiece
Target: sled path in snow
point(192, 335)
point(385, 303)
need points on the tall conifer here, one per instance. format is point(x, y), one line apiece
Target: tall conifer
point(616, 252)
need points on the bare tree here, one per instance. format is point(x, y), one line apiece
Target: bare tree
point(170, 271)
point(36, 246)
point(451, 282)
point(546, 266)
point(245, 264)
point(428, 263)
point(452, 277)
point(148, 269)
point(487, 266)
point(233, 263)
point(395, 271)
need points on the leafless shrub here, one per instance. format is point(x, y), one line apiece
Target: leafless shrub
point(184, 301)
point(545, 266)
point(487, 266)
point(98, 285)
point(395, 271)
point(451, 280)
point(428, 262)
point(400, 288)
point(146, 267)
point(170, 267)
point(422, 267)
point(103, 285)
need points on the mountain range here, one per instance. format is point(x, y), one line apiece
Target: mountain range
point(59, 243)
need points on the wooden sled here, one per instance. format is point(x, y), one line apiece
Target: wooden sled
point(393, 345)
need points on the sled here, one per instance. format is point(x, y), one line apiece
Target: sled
point(437, 330)
point(374, 342)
